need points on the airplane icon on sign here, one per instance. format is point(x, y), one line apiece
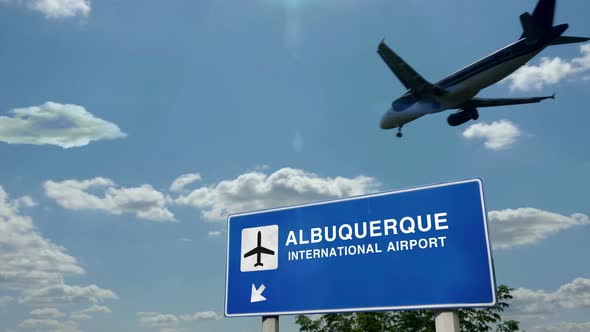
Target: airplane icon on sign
point(259, 250)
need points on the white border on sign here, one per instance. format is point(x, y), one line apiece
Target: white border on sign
point(394, 308)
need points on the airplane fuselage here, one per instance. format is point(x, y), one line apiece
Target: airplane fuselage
point(464, 84)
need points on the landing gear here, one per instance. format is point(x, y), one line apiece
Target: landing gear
point(399, 131)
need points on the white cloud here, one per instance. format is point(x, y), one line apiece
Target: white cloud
point(51, 123)
point(155, 319)
point(171, 322)
point(79, 316)
point(563, 327)
point(215, 233)
point(28, 259)
point(35, 267)
point(97, 309)
point(55, 8)
point(88, 312)
point(26, 201)
point(256, 190)
point(63, 294)
point(144, 201)
point(203, 315)
point(184, 180)
point(497, 135)
point(49, 325)
point(539, 303)
point(250, 191)
point(49, 312)
point(550, 71)
point(526, 226)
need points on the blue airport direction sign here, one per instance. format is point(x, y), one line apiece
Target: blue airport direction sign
point(418, 248)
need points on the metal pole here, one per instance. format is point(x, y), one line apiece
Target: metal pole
point(446, 321)
point(270, 323)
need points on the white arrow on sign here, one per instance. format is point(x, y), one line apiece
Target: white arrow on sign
point(257, 294)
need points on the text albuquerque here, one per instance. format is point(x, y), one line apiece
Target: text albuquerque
point(375, 228)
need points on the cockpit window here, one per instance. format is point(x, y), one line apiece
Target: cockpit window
point(403, 103)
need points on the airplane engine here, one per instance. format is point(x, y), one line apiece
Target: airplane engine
point(460, 117)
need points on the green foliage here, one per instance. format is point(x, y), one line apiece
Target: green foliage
point(470, 320)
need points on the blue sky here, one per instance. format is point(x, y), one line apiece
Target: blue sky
point(130, 129)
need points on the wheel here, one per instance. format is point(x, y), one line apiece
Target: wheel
point(398, 134)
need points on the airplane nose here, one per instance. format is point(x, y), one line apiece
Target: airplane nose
point(382, 122)
point(386, 122)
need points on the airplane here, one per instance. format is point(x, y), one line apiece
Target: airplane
point(258, 251)
point(458, 90)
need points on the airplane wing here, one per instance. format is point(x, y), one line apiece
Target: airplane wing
point(266, 251)
point(261, 250)
point(490, 102)
point(406, 74)
point(251, 252)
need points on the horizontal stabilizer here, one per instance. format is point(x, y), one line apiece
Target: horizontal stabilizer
point(406, 74)
point(490, 102)
point(569, 40)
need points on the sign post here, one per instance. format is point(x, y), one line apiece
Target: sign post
point(270, 323)
point(417, 248)
point(447, 321)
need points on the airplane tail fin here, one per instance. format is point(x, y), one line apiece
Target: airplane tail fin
point(531, 29)
point(539, 26)
point(544, 13)
point(540, 22)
